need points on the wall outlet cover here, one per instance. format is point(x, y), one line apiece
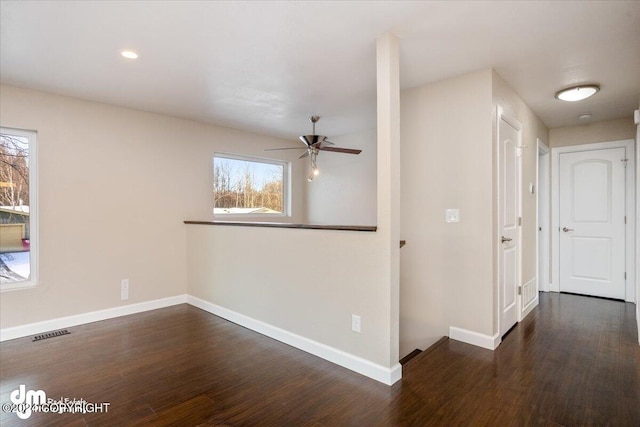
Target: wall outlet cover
point(452, 215)
point(356, 323)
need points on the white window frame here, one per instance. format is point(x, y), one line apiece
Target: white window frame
point(34, 238)
point(286, 187)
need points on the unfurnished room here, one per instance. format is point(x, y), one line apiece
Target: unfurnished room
point(319, 213)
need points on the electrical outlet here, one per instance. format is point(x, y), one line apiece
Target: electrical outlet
point(124, 289)
point(356, 323)
point(452, 215)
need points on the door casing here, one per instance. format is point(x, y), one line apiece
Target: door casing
point(543, 223)
point(630, 247)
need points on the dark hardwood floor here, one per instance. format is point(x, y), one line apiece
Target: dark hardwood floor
point(574, 361)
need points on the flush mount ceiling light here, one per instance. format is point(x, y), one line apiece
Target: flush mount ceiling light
point(129, 54)
point(577, 93)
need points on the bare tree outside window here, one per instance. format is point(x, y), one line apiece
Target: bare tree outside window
point(15, 207)
point(14, 170)
point(248, 186)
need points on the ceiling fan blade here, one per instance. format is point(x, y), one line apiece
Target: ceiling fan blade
point(287, 148)
point(340, 150)
point(305, 154)
point(328, 142)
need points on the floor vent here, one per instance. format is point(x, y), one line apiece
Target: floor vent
point(51, 334)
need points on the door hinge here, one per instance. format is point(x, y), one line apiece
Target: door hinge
point(625, 275)
point(519, 290)
point(624, 162)
point(520, 220)
point(625, 219)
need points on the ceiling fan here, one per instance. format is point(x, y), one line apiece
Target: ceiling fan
point(313, 145)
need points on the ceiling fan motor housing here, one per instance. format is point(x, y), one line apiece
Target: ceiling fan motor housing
point(311, 140)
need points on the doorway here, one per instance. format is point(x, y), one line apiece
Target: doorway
point(594, 220)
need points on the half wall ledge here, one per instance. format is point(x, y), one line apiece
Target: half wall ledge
point(287, 225)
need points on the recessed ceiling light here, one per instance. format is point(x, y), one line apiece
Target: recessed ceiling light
point(584, 116)
point(129, 54)
point(577, 93)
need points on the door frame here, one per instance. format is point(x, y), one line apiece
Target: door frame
point(630, 235)
point(543, 197)
point(637, 122)
point(518, 126)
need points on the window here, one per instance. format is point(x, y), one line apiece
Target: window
point(247, 186)
point(18, 232)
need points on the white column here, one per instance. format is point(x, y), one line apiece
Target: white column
point(388, 86)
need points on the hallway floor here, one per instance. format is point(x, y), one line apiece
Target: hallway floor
point(574, 361)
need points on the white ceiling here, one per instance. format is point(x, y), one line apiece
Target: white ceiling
point(266, 66)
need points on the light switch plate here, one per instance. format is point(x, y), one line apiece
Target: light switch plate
point(452, 215)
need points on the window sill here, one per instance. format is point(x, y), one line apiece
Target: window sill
point(17, 286)
point(368, 228)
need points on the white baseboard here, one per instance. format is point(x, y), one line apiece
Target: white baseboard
point(529, 290)
point(94, 316)
point(475, 338)
point(528, 309)
point(357, 364)
point(533, 304)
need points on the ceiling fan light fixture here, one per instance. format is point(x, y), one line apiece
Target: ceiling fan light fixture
point(314, 167)
point(577, 93)
point(314, 172)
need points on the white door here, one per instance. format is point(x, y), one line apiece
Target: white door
point(592, 222)
point(508, 222)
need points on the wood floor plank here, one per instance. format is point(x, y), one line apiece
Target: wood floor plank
point(191, 412)
point(574, 361)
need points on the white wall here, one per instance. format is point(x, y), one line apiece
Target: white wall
point(532, 129)
point(449, 270)
point(308, 282)
point(115, 186)
point(446, 268)
point(610, 130)
point(345, 191)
